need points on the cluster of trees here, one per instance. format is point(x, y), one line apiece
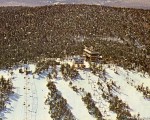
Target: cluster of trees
point(76, 89)
point(68, 71)
point(6, 88)
point(93, 110)
point(123, 54)
point(95, 68)
point(121, 108)
point(44, 65)
point(144, 90)
point(59, 109)
point(30, 33)
point(87, 99)
point(116, 105)
point(111, 86)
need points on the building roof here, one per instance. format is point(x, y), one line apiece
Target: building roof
point(78, 60)
point(90, 51)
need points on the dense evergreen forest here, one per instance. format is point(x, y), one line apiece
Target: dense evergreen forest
point(121, 35)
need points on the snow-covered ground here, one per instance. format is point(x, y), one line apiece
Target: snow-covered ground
point(32, 89)
point(128, 93)
point(27, 103)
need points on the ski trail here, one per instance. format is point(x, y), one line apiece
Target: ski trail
point(75, 102)
point(35, 95)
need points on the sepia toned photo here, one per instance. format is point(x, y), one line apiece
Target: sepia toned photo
point(74, 59)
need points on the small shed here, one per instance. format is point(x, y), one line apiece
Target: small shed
point(78, 61)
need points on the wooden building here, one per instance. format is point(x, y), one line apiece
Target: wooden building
point(91, 55)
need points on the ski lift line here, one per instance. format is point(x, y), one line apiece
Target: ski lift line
point(34, 99)
point(27, 103)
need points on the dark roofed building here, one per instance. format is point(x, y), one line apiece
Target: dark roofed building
point(78, 60)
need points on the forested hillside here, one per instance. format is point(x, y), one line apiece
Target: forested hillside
point(121, 35)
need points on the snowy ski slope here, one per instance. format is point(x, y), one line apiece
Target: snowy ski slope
point(32, 89)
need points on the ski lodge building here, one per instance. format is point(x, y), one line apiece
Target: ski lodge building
point(91, 55)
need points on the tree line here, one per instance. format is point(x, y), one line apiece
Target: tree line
point(27, 33)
